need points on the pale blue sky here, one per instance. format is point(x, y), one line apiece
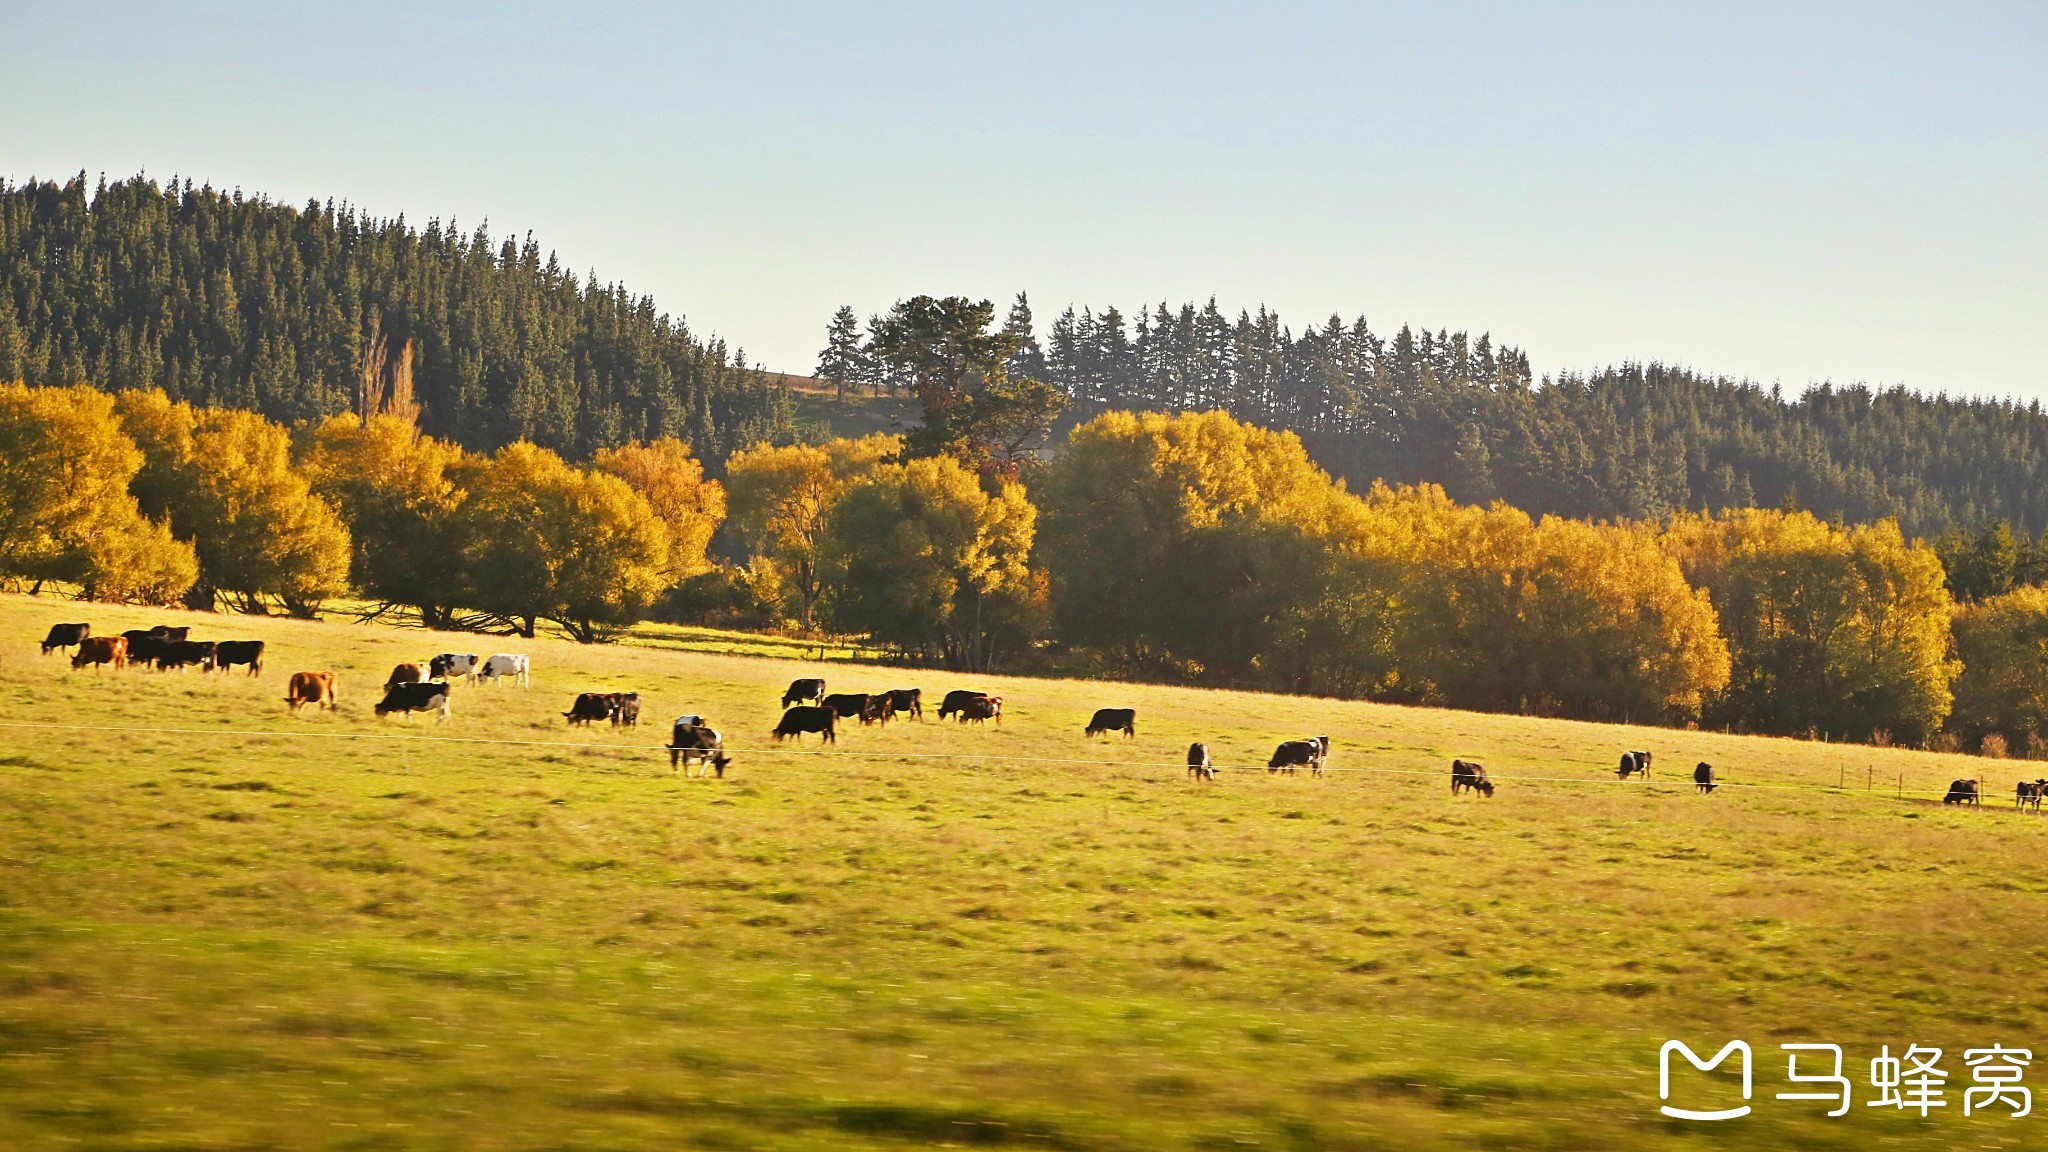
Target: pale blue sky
point(1791, 192)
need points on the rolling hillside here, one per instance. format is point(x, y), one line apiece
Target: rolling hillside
point(222, 926)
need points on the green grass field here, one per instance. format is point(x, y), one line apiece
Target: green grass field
point(225, 927)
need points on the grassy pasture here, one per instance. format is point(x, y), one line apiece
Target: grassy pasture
point(214, 938)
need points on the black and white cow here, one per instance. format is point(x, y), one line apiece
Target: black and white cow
point(453, 666)
point(431, 696)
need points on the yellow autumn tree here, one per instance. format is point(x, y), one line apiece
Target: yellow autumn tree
point(1836, 631)
point(920, 556)
point(2003, 689)
point(672, 482)
point(398, 492)
point(1181, 544)
point(66, 512)
point(546, 541)
point(778, 499)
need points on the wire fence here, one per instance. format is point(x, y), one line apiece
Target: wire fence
point(1606, 778)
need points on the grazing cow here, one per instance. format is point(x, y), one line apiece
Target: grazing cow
point(591, 706)
point(907, 701)
point(844, 704)
point(1292, 755)
point(880, 710)
point(453, 666)
point(410, 698)
point(957, 699)
point(64, 636)
point(695, 740)
point(1703, 776)
point(1466, 774)
point(310, 688)
point(181, 653)
point(98, 650)
point(229, 653)
point(1124, 720)
point(810, 688)
point(2029, 794)
point(1961, 792)
point(507, 666)
point(406, 674)
point(1634, 762)
point(982, 708)
point(176, 635)
point(143, 645)
point(1199, 765)
point(626, 711)
point(808, 718)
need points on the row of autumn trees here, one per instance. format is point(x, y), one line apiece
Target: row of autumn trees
point(1193, 549)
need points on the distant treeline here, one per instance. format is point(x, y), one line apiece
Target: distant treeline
point(1636, 441)
point(301, 313)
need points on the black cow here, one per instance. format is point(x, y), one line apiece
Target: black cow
point(695, 740)
point(1961, 792)
point(177, 635)
point(982, 708)
point(844, 704)
point(1703, 776)
point(181, 653)
point(1466, 774)
point(591, 706)
point(1123, 720)
point(808, 718)
point(626, 710)
point(229, 653)
point(812, 689)
point(1634, 762)
point(143, 645)
point(64, 636)
point(1199, 764)
point(1292, 755)
point(957, 699)
point(410, 698)
point(907, 701)
point(2029, 794)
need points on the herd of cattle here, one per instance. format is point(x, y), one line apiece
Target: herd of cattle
point(425, 686)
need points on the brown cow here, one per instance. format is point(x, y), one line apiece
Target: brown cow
point(310, 688)
point(406, 674)
point(982, 708)
point(98, 650)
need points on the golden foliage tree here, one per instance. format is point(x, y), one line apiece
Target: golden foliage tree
point(779, 498)
point(65, 509)
point(2003, 689)
point(1556, 617)
point(921, 557)
point(545, 541)
point(1175, 544)
point(672, 482)
point(397, 490)
point(1838, 631)
point(225, 479)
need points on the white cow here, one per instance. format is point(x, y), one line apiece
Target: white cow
point(507, 665)
point(454, 666)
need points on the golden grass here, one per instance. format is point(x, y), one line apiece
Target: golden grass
point(239, 929)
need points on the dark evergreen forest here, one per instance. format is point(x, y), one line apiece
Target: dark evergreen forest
point(223, 299)
point(1639, 440)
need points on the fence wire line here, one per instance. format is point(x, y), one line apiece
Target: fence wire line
point(1679, 781)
